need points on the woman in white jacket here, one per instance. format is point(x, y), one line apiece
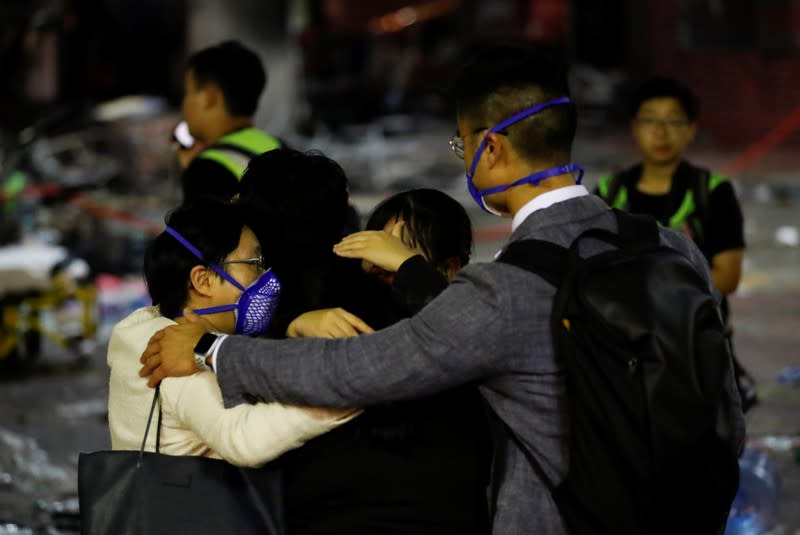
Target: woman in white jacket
point(207, 260)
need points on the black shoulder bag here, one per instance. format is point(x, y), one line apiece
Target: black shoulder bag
point(145, 493)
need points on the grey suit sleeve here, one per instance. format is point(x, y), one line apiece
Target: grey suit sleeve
point(456, 339)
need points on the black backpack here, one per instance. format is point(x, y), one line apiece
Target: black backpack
point(699, 222)
point(645, 355)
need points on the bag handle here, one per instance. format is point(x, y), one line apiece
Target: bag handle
point(147, 429)
point(269, 522)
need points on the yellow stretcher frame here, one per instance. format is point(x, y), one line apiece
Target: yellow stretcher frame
point(21, 315)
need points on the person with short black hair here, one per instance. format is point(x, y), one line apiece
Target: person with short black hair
point(194, 419)
point(659, 87)
point(432, 222)
point(298, 205)
point(680, 195)
point(416, 467)
point(222, 86)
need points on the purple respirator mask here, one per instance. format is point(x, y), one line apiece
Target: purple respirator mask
point(257, 304)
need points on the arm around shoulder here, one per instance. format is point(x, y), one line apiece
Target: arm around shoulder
point(245, 435)
point(457, 338)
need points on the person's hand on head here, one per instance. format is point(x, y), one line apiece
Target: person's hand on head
point(170, 352)
point(327, 323)
point(385, 250)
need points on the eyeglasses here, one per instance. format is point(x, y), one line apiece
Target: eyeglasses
point(259, 262)
point(672, 124)
point(457, 146)
point(457, 142)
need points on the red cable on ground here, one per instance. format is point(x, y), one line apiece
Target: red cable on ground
point(762, 146)
point(91, 206)
point(103, 212)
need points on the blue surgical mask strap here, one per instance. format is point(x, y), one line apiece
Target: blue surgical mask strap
point(214, 310)
point(533, 178)
point(508, 122)
point(196, 252)
point(539, 176)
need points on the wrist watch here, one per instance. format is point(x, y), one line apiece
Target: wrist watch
point(202, 350)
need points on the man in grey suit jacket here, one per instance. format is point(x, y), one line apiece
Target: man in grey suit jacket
point(490, 327)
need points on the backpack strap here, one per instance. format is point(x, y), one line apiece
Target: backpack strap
point(633, 230)
point(546, 259)
point(614, 186)
point(701, 191)
point(552, 262)
point(614, 189)
point(636, 228)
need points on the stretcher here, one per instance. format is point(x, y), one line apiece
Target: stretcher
point(44, 296)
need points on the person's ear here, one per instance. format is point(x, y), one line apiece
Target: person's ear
point(451, 267)
point(201, 280)
point(211, 95)
point(496, 149)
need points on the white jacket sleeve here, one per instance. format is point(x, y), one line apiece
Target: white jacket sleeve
point(245, 435)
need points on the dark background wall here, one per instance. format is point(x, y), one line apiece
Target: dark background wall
point(743, 60)
point(742, 57)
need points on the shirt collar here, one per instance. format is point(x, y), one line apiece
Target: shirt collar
point(546, 200)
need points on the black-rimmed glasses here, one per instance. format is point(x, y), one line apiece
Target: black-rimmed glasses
point(259, 262)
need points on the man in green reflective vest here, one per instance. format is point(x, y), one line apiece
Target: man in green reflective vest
point(222, 86)
point(690, 199)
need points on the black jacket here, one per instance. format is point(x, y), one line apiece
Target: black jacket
point(416, 467)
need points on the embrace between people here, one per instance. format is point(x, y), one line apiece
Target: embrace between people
point(404, 443)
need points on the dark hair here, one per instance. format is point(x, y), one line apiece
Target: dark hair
point(212, 227)
point(296, 203)
point(236, 70)
point(502, 80)
point(438, 224)
point(662, 87)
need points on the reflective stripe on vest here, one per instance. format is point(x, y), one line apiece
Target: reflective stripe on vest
point(621, 200)
point(233, 161)
point(687, 206)
point(677, 219)
point(250, 140)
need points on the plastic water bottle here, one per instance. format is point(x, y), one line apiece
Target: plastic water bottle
point(790, 375)
point(755, 507)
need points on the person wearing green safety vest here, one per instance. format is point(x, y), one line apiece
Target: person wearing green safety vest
point(222, 86)
point(690, 199)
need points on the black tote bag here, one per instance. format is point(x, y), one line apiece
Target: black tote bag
point(144, 493)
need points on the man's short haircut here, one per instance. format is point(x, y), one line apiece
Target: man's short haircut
point(236, 70)
point(437, 223)
point(502, 80)
point(662, 87)
point(297, 202)
point(212, 227)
